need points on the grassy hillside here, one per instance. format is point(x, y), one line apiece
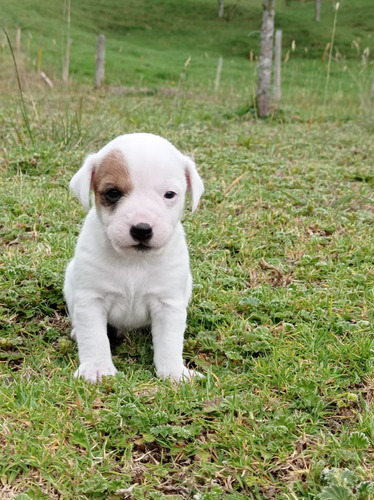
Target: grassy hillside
point(148, 42)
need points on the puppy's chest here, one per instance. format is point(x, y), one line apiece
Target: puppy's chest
point(129, 309)
point(128, 299)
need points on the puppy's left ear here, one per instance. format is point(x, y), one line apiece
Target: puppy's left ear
point(195, 185)
point(81, 182)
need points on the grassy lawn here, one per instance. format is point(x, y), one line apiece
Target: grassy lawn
point(149, 41)
point(281, 320)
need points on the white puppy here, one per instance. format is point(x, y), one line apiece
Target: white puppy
point(131, 263)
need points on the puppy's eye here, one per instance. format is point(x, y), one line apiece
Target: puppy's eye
point(112, 195)
point(169, 195)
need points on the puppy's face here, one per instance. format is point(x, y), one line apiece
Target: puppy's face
point(139, 202)
point(139, 183)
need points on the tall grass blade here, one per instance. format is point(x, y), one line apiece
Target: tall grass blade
point(22, 101)
point(336, 7)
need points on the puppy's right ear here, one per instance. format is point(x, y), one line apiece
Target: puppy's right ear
point(81, 182)
point(194, 183)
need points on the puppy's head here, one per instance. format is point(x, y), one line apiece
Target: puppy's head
point(139, 183)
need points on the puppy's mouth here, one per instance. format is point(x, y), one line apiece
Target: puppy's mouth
point(142, 247)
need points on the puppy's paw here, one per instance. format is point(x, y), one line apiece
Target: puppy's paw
point(94, 372)
point(188, 374)
point(180, 374)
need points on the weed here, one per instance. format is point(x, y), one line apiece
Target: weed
point(344, 484)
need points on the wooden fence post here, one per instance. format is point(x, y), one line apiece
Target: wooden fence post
point(66, 62)
point(277, 66)
point(218, 74)
point(266, 59)
point(100, 61)
point(40, 53)
point(317, 11)
point(29, 36)
point(65, 70)
point(221, 8)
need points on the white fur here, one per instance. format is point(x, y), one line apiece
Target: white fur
point(110, 281)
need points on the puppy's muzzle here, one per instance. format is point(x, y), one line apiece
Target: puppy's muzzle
point(141, 232)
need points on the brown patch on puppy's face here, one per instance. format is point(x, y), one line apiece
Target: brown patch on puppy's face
point(111, 181)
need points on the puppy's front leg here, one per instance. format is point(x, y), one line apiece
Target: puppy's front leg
point(168, 325)
point(90, 329)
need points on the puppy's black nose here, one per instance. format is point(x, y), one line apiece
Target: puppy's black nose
point(141, 232)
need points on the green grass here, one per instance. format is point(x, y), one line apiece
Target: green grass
point(281, 320)
point(148, 42)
